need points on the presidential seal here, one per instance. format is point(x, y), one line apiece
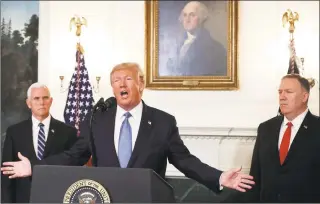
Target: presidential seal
point(86, 191)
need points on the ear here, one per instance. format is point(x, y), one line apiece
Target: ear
point(141, 86)
point(305, 97)
point(51, 99)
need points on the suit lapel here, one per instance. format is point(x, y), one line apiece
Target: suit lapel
point(29, 138)
point(51, 137)
point(301, 136)
point(275, 138)
point(109, 130)
point(143, 134)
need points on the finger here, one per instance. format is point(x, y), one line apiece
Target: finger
point(245, 186)
point(8, 163)
point(247, 181)
point(245, 176)
point(8, 168)
point(20, 156)
point(8, 172)
point(13, 176)
point(240, 189)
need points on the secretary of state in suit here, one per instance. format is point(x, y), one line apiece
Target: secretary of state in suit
point(286, 158)
point(135, 135)
point(36, 138)
point(197, 53)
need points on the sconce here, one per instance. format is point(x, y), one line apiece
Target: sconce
point(311, 80)
point(96, 88)
point(62, 89)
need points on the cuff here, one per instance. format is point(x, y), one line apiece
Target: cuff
point(220, 186)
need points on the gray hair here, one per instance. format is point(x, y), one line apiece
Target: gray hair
point(36, 85)
point(201, 11)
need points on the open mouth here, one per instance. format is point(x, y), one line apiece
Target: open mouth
point(124, 94)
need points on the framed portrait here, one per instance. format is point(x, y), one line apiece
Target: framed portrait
point(191, 45)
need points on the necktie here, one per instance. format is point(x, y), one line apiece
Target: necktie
point(284, 147)
point(125, 142)
point(41, 142)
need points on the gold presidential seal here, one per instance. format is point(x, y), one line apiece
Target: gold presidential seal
point(86, 191)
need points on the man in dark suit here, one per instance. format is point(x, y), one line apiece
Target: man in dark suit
point(197, 53)
point(134, 135)
point(286, 159)
point(36, 138)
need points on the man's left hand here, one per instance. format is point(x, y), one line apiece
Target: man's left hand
point(236, 180)
point(18, 169)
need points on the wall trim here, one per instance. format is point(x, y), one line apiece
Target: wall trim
point(217, 132)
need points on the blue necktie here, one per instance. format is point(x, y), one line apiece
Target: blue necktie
point(41, 142)
point(125, 142)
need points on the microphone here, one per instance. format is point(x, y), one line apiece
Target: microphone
point(110, 102)
point(99, 104)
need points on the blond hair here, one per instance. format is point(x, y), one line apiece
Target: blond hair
point(130, 66)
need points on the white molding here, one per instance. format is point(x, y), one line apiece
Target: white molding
point(217, 132)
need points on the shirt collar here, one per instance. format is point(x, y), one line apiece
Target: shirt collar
point(298, 120)
point(136, 112)
point(45, 122)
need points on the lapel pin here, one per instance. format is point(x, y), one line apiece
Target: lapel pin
point(149, 122)
point(306, 127)
point(52, 130)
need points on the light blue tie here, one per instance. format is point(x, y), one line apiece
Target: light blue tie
point(41, 142)
point(125, 142)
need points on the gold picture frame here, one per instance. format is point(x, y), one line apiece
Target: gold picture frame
point(155, 50)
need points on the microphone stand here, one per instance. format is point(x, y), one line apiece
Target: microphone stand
point(93, 147)
point(104, 106)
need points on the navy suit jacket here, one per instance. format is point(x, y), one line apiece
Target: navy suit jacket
point(158, 140)
point(19, 139)
point(297, 180)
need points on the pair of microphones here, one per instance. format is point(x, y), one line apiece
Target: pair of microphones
point(104, 105)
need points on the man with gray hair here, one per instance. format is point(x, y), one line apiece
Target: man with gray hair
point(197, 54)
point(36, 138)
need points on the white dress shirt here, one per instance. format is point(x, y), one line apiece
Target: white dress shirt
point(296, 123)
point(134, 120)
point(36, 128)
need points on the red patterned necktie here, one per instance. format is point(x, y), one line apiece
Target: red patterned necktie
point(284, 147)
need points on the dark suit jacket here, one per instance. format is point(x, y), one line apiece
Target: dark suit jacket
point(19, 139)
point(156, 142)
point(205, 57)
point(297, 180)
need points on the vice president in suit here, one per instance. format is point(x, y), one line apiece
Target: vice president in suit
point(286, 159)
point(36, 138)
point(135, 135)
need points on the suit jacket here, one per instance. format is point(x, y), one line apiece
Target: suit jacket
point(158, 140)
point(205, 57)
point(19, 139)
point(297, 180)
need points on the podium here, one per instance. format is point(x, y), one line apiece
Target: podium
point(79, 184)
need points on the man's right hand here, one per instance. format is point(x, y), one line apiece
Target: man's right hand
point(18, 169)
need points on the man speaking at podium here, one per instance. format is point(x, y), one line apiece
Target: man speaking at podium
point(134, 135)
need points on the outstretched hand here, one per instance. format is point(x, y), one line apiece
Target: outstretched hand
point(17, 169)
point(236, 180)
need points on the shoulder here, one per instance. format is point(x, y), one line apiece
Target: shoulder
point(270, 122)
point(61, 125)
point(160, 114)
point(19, 126)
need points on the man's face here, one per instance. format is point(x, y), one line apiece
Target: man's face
point(127, 88)
point(292, 98)
point(39, 102)
point(190, 18)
